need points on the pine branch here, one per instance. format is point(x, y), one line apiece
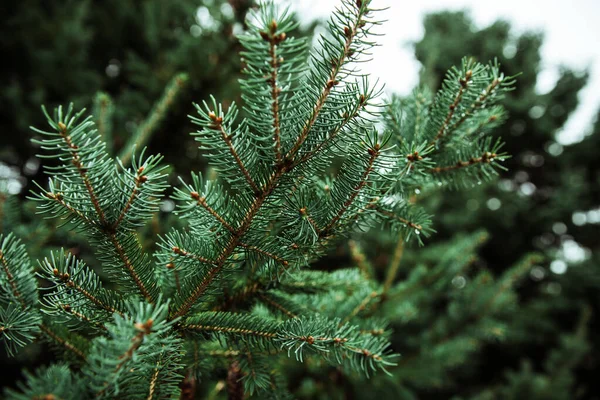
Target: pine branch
point(187, 254)
point(485, 158)
point(153, 381)
point(143, 330)
point(10, 278)
point(280, 260)
point(276, 305)
point(274, 40)
point(350, 33)
point(88, 171)
point(77, 162)
point(129, 266)
point(217, 124)
point(66, 280)
point(58, 198)
point(361, 306)
point(63, 342)
point(202, 202)
point(477, 104)
point(139, 181)
point(393, 267)
point(374, 153)
point(464, 84)
point(156, 116)
point(231, 245)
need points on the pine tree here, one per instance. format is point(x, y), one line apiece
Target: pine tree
point(230, 294)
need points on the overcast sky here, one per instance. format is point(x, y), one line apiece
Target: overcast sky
point(572, 38)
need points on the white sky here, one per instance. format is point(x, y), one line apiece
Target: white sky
point(572, 36)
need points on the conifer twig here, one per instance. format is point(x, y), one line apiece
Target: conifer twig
point(217, 124)
point(76, 160)
point(276, 305)
point(476, 104)
point(139, 181)
point(274, 40)
point(63, 342)
point(374, 153)
point(187, 254)
point(69, 283)
point(265, 253)
point(336, 65)
point(202, 202)
point(101, 216)
point(11, 279)
point(464, 84)
point(143, 330)
point(360, 307)
point(58, 197)
point(394, 265)
point(485, 158)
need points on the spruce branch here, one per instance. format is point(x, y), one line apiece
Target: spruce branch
point(103, 115)
point(274, 40)
point(56, 337)
point(19, 317)
point(202, 202)
point(76, 285)
point(356, 24)
point(87, 169)
point(338, 343)
point(374, 152)
point(157, 115)
point(263, 252)
point(81, 169)
point(392, 270)
point(485, 158)
point(464, 84)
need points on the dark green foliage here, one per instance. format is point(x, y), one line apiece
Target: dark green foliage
point(19, 317)
point(227, 291)
point(64, 51)
point(56, 379)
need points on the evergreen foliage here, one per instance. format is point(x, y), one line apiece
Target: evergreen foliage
point(230, 291)
point(538, 200)
point(136, 63)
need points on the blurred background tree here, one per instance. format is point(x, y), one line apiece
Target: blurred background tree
point(547, 200)
point(62, 51)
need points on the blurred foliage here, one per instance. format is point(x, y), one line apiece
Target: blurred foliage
point(548, 200)
point(62, 51)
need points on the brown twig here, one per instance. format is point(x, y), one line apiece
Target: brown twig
point(363, 181)
point(485, 158)
point(464, 84)
point(217, 124)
